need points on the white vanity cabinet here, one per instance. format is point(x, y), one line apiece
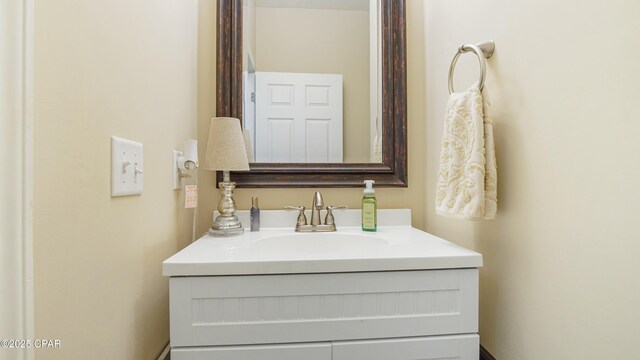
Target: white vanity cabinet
point(314, 351)
point(398, 294)
point(458, 347)
point(428, 314)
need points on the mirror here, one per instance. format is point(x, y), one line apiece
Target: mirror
point(310, 81)
point(320, 88)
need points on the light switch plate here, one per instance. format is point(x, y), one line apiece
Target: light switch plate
point(127, 167)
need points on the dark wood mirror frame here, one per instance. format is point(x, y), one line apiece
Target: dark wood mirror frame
point(392, 172)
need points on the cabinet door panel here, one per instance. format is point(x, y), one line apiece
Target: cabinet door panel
point(267, 352)
point(269, 309)
point(458, 347)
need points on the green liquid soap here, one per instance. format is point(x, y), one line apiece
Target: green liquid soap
point(369, 208)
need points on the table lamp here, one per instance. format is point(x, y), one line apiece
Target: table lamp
point(226, 152)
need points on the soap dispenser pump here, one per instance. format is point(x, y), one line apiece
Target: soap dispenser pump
point(369, 207)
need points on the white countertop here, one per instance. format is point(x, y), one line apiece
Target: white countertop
point(393, 247)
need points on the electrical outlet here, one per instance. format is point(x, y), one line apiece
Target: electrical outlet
point(177, 181)
point(127, 167)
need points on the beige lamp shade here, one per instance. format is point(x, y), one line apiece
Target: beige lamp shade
point(225, 148)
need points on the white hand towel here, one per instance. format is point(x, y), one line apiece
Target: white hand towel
point(467, 181)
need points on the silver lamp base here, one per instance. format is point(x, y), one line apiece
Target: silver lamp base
point(226, 226)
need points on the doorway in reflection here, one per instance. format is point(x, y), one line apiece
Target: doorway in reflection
point(310, 81)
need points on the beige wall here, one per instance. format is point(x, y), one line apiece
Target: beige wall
point(322, 41)
point(207, 192)
point(102, 68)
point(559, 276)
point(560, 279)
point(248, 33)
point(412, 197)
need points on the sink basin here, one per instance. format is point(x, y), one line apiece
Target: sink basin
point(277, 249)
point(320, 242)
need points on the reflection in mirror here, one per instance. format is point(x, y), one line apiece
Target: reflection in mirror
point(311, 81)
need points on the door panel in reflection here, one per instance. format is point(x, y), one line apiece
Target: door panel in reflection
point(299, 117)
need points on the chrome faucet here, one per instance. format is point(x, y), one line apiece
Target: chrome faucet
point(316, 206)
point(316, 218)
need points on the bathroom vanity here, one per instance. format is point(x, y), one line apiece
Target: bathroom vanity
point(396, 294)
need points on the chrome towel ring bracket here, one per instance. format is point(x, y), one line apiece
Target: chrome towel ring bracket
point(483, 51)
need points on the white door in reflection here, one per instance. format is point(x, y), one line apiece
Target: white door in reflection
point(298, 118)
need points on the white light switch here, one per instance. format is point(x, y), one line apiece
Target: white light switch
point(127, 167)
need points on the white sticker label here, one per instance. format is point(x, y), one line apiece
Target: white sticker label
point(190, 196)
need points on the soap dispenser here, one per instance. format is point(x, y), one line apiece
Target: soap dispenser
point(254, 214)
point(369, 207)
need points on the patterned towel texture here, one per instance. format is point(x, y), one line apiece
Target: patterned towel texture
point(467, 185)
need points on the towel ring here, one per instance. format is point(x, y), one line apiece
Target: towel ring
point(483, 51)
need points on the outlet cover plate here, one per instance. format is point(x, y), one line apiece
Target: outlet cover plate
point(177, 182)
point(127, 167)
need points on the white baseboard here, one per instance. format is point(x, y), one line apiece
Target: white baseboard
point(164, 354)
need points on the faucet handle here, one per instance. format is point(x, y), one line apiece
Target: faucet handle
point(302, 218)
point(329, 219)
point(299, 208)
point(341, 207)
